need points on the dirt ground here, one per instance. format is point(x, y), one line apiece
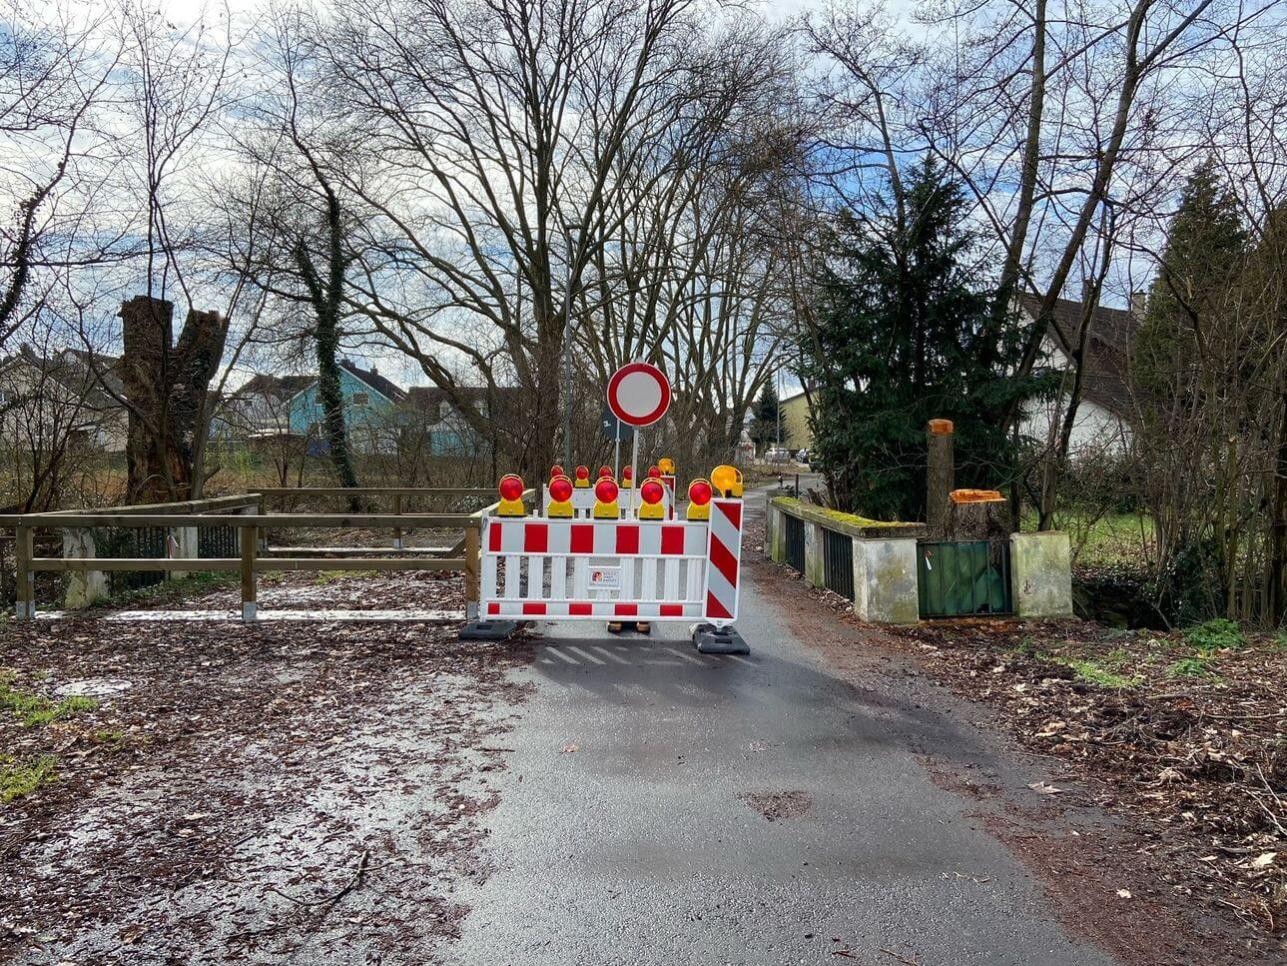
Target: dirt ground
point(291, 791)
point(1168, 765)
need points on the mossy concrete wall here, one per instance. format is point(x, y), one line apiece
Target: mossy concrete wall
point(1041, 574)
point(885, 580)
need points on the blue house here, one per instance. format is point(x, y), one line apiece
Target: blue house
point(370, 404)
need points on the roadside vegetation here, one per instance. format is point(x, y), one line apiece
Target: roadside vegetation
point(1180, 732)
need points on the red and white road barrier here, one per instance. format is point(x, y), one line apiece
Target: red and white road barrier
point(561, 569)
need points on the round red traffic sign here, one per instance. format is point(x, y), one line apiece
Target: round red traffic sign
point(638, 394)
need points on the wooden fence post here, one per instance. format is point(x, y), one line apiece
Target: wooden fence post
point(24, 549)
point(473, 550)
point(249, 546)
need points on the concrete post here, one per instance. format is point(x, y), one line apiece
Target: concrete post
point(885, 580)
point(182, 545)
point(83, 586)
point(814, 568)
point(1041, 574)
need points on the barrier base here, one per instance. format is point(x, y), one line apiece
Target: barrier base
point(719, 640)
point(488, 630)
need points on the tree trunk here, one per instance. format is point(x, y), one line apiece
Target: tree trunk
point(165, 387)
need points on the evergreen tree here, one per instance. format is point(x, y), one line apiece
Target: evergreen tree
point(902, 324)
point(1204, 248)
point(764, 419)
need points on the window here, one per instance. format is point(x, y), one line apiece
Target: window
point(361, 399)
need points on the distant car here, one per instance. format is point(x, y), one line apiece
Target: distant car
point(802, 456)
point(775, 454)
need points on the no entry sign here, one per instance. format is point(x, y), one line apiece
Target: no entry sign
point(639, 394)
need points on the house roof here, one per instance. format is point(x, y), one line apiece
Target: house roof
point(432, 397)
point(385, 387)
point(276, 387)
point(93, 374)
point(1105, 377)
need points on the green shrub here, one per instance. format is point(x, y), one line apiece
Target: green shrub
point(1190, 667)
point(1215, 635)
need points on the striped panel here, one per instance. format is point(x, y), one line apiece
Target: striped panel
point(594, 609)
point(600, 538)
point(724, 563)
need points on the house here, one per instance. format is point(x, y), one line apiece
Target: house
point(69, 395)
point(260, 407)
point(447, 431)
point(370, 404)
point(797, 434)
point(1105, 411)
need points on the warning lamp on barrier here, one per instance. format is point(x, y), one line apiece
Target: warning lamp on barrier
point(556, 471)
point(560, 504)
point(627, 477)
point(605, 500)
point(699, 500)
point(654, 473)
point(667, 466)
point(582, 479)
point(651, 493)
point(511, 496)
point(605, 472)
point(727, 481)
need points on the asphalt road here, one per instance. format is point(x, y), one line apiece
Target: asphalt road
point(626, 832)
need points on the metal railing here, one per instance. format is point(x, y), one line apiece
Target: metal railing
point(794, 543)
point(838, 563)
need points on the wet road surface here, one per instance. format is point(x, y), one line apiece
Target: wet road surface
point(663, 807)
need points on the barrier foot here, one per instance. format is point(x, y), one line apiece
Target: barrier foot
point(719, 640)
point(488, 630)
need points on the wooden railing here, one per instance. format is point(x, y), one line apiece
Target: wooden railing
point(252, 560)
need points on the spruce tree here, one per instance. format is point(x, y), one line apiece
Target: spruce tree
point(1204, 247)
point(764, 422)
point(903, 317)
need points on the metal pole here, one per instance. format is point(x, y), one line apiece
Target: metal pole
point(634, 458)
point(616, 451)
point(567, 357)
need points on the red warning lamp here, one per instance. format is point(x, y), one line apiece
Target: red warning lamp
point(652, 492)
point(583, 472)
point(556, 470)
point(605, 472)
point(699, 492)
point(511, 487)
point(560, 489)
point(605, 491)
point(627, 472)
point(654, 473)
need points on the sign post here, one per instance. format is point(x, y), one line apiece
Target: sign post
point(638, 395)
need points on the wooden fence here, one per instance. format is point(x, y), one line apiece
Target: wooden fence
point(253, 524)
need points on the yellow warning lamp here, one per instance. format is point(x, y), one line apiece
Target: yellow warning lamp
point(651, 493)
point(699, 500)
point(605, 500)
point(666, 465)
point(560, 498)
point(627, 477)
point(582, 479)
point(727, 481)
point(511, 496)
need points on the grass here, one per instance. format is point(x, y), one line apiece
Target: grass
point(193, 585)
point(1096, 672)
point(36, 709)
point(1114, 538)
point(22, 778)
